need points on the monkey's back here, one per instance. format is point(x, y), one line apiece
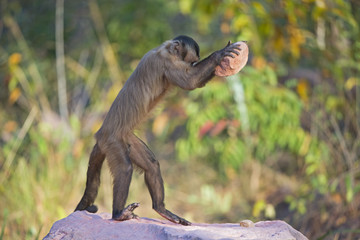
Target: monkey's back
point(144, 88)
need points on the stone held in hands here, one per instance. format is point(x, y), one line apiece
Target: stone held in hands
point(230, 66)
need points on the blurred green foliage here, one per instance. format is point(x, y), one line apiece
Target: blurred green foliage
point(273, 113)
point(278, 140)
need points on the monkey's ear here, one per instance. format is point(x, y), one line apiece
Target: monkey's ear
point(174, 47)
point(229, 43)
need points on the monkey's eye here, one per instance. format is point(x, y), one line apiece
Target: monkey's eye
point(193, 64)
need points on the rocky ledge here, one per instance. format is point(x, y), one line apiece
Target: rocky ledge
point(83, 225)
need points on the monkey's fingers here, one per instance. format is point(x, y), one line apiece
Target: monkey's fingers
point(230, 54)
point(227, 45)
point(235, 48)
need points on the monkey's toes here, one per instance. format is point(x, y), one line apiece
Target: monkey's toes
point(184, 222)
point(172, 217)
point(127, 213)
point(176, 219)
point(131, 207)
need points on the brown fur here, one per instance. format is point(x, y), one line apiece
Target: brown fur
point(174, 63)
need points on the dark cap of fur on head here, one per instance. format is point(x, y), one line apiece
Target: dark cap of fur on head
point(190, 42)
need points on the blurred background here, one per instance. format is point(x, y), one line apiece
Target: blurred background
point(280, 140)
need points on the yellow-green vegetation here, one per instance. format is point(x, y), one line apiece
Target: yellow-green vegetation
point(280, 140)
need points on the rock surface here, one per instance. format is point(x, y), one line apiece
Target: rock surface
point(83, 225)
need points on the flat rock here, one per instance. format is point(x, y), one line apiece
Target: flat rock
point(84, 225)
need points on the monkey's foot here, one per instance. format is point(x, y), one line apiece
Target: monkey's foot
point(92, 208)
point(89, 208)
point(126, 213)
point(172, 217)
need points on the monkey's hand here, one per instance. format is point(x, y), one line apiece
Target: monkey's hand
point(172, 217)
point(230, 66)
point(127, 213)
point(231, 50)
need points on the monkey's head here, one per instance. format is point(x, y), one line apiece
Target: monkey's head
point(186, 48)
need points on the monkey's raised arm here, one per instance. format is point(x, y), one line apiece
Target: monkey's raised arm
point(183, 68)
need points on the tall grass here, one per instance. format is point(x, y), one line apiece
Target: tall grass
point(44, 160)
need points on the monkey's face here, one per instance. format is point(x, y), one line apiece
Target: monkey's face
point(190, 55)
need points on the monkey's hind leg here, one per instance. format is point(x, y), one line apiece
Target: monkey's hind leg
point(142, 156)
point(93, 181)
point(121, 168)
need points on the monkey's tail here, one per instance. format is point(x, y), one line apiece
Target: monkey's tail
point(93, 180)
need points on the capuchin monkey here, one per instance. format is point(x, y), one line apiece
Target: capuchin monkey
point(175, 63)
